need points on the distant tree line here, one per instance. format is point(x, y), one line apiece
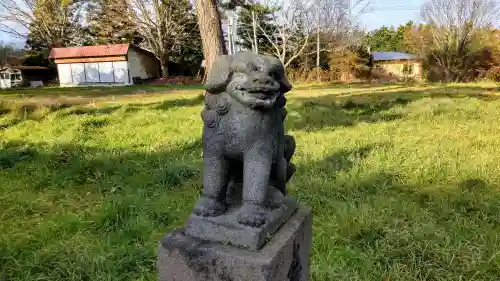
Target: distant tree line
point(168, 29)
point(319, 40)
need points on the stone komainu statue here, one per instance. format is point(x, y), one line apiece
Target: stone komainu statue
point(244, 144)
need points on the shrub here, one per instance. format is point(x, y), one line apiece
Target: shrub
point(493, 74)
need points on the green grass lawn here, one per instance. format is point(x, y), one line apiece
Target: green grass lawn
point(404, 180)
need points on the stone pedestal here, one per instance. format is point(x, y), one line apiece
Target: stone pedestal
point(285, 257)
point(225, 229)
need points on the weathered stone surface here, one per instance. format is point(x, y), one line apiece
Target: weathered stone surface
point(244, 227)
point(284, 258)
point(226, 230)
point(244, 141)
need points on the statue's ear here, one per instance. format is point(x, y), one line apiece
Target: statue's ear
point(219, 75)
point(285, 85)
point(279, 73)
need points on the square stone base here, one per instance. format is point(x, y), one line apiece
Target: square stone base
point(225, 229)
point(285, 257)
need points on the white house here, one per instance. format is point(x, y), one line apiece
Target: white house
point(9, 78)
point(119, 64)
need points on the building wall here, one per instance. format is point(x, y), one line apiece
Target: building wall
point(64, 74)
point(5, 80)
point(5, 84)
point(11, 77)
point(396, 68)
point(98, 72)
point(112, 70)
point(142, 65)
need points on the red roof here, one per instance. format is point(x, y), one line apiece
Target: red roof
point(89, 51)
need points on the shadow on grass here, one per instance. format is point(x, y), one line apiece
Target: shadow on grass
point(345, 159)
point(412, 94)
point(69, 164)
point(348, 86)
point(80, 110)
point(96, 92)
point(370, 223)
point(321, 112)
point(17, 113)
point(170, 104)
point(114, 202)
point(106, 201)
point(131, 107)
point(316, 113)
point(374, 223)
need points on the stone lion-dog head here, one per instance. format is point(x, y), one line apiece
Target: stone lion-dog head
point(255, 81)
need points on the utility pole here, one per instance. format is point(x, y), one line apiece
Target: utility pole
point(317, 40)
point(235, 29)
point(350, 12)
point(350, 21)
point(230, 36)
point(254, 25)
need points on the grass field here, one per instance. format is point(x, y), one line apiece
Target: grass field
point(404, 180)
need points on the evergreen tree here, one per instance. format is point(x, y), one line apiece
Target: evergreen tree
point(7, 51)
point(186, 59)
point(109, 23)
point(387, 39)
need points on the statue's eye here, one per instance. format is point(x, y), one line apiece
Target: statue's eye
point(254, 68)
point(240, 76)
point(257, 65)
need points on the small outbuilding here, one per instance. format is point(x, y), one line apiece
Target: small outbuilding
point(118, 64)
point(400, 65)
point(24, 76)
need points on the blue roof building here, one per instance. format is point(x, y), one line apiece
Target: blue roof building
point(381, 56)
point(397, 65)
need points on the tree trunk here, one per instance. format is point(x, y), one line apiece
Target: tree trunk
point(164, 68)
point(211, 31)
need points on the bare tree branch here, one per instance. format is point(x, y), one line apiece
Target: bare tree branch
point(50, 21)
point(453, 25)
point(291, 33)
point(163, 24)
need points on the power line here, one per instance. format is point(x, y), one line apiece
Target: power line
point(395, 8)
point(404, 7)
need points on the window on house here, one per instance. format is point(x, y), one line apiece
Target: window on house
point(408, 69)
point(15, 77)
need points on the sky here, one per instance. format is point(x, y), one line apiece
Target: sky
point(383, 12)
point(7, 38)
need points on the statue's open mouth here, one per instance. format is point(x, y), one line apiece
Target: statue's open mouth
point(255, 99)
point(264, 97)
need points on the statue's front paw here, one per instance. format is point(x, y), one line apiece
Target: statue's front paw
point(208, 207)
point(252, 215)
